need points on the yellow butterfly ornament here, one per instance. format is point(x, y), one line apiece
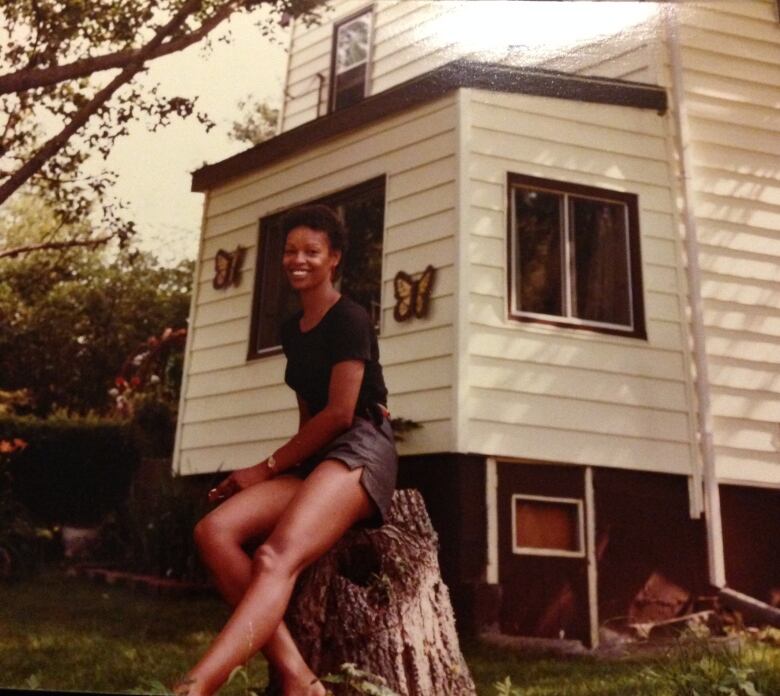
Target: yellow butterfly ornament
point(413, 296)
point(226, 268)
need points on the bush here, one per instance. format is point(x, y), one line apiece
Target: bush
point(152, 532)
point(22, 542)
point(73, 471)
point(154, 427)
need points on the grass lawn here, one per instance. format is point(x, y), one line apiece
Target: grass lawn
point(67, 633)
point(71, 633)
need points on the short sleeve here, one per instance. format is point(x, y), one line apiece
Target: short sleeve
point(286, 330)
point(350, 335)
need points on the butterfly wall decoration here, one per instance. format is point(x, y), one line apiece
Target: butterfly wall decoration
point(412, 295)
point(227, 267)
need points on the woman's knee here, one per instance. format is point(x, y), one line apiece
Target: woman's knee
point(277, 558)
point(209, 530)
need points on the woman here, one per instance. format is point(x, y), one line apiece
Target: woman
point(338, 470)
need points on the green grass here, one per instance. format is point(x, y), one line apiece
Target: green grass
point(67, 633)
point(688, 668)
point(552, 676)
point(70, 633)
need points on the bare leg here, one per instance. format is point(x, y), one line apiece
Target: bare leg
point(326, 505)
point(251, 514)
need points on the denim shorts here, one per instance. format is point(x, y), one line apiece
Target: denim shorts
point(367, 444)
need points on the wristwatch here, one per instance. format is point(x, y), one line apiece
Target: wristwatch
point(271, 461)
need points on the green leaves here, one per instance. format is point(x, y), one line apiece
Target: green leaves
point(698, 666)
point(71, 81)
point(505, 688)
point(70, 318)
point(360, 680)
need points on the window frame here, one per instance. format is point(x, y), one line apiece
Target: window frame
point(332, 199)
point(368, 10)
point(570, 190)
point(535, 551)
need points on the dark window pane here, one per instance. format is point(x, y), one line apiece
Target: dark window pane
point(276, 300)
point(362, 211)
point(538, 240)
point(350, 87)
point(600, 261)
point(540, 524)
point(362, 267)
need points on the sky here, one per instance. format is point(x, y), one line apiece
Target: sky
point(154, 168)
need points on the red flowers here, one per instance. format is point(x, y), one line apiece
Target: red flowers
point(146, 367)
point(10, 446)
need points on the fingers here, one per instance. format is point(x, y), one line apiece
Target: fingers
point(215, 495)
point(224, 490)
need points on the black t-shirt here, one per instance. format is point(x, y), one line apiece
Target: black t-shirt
point(344, 333)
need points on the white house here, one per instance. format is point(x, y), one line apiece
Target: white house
point(597, 374)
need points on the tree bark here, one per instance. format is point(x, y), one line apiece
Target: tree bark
point(377, 600)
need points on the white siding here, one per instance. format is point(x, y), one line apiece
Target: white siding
point(561, 394)
point(236, 411)
point(731, 75)
point(412, 37)
point(477, 381)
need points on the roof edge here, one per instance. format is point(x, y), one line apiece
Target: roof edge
point(425, 88)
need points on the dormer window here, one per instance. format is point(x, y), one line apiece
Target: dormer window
point(351, 53)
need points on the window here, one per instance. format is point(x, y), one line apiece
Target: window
point(351, 55)
point(543, 526)
point(574, 256)
point(362, 210)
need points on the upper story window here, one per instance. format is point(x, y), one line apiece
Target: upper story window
point(351, 55)
point(362, 209)
point(574, 256)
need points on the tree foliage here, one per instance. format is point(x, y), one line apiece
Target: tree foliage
point(69, 319)
point(72, 80)
point(256, 122)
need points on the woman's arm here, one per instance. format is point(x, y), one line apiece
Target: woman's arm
point(303, 412)
point(313, 431)
point(316, 431)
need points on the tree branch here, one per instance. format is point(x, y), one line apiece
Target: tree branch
point(56, 143)
point(25, 79)
point(50, 246)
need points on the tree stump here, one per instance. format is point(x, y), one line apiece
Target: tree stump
point(377, 600)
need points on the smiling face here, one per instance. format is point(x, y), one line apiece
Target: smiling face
point(308, 258)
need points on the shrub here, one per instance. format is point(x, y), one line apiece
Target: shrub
point(154, 427)
point(73, 471)
point(22, 542)
point(152, 532)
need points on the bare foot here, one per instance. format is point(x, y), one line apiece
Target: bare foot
point(186, 687)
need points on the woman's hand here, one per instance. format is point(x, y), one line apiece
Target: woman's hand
point(239, 480)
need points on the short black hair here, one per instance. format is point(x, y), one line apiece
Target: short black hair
point(321, 218)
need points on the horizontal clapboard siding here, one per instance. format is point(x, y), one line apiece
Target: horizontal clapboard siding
point(731, 75)
point(560, 394)
point(413, 37)
point(528, 391)
point(235, 411)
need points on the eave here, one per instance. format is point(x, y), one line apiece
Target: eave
point(425, 88)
